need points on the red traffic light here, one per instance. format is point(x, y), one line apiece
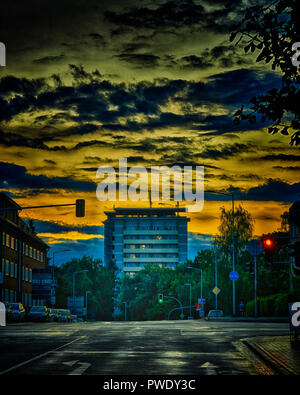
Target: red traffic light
point(268, 243)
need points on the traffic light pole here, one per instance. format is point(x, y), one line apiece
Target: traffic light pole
point(255, 285)
point(80, 207)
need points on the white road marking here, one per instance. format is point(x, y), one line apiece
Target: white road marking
point(84, 366)
point(39, 356)
point(70, 363)
point(210, 368)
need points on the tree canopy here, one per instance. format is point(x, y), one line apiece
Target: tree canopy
point(270, 31)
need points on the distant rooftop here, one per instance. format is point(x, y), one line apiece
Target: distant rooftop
point(153, 211)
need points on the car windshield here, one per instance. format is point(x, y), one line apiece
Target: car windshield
point(15, 306)
point(64, 312)
point(37, 309)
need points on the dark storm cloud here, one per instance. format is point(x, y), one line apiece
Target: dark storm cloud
point(226, 151)
point(233, 87)
point(13, 176)
point(52, 227)
point(18, 140)
point(289, 168)
point(273, 190)
point(91, 100)
point(280, 157)
point(223, 56)
point(139, 60)
point(173, 15)
point(49, 59)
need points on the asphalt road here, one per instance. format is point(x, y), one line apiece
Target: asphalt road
point(109, 348)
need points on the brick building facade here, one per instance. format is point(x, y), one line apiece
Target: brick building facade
point(21, 251)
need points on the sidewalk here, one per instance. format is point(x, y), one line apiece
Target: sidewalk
point(249, 319)
point(277, 352)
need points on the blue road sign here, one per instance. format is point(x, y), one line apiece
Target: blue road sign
point(201, 301)
point(254, 247)
point(233, 276)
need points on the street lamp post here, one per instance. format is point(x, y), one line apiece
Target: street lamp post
point(74, 274)
point(233, 245)
point(86, 303)
point(216, 275)
point(190, 285)
point(125, 312)
point(201, 282)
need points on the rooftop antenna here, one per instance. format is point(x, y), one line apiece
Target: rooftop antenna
point(150, 200)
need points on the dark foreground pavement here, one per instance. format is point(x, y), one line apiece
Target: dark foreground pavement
point(135, 348)
point(278, 352)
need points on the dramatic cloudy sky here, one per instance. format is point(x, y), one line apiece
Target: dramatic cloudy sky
point(89, 82)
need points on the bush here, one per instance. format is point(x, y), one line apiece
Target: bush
point(250, 308)
point(281, 305)
point(270, 306)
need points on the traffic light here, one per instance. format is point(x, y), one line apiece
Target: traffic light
point(269, 245)
point(80, 208)
point(294, 251)
point(160, 298)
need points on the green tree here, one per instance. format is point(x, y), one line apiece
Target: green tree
point(99, 280)
point(270, 30)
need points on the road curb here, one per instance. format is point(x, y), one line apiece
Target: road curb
point(268, 359)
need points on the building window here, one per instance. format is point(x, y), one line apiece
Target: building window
point(12, 269)
point(7, 240)
point(16, 270)
point(30, 275)
point(3, 238)
point(30, 252)
point(7, 267)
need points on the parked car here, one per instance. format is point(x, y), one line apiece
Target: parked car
point(38, 313)
point(79, 319)
point(50, 314)
point(215, 314)
point(8, 312)
point(56, 315)
point(74, 318)
point(18, 312)
point(65, 315)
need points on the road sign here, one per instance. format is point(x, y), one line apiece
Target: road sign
point(233, 276)
point(201, 301)
point(254, 247)
point(182, 316)
point(76, 305)
point(198, 307)
point(216, 290)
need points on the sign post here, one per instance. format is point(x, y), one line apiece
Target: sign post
point(254, 248)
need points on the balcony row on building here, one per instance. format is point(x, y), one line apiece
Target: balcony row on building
point(136, 237)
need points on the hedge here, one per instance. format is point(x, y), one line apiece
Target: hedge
point(270, 306)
